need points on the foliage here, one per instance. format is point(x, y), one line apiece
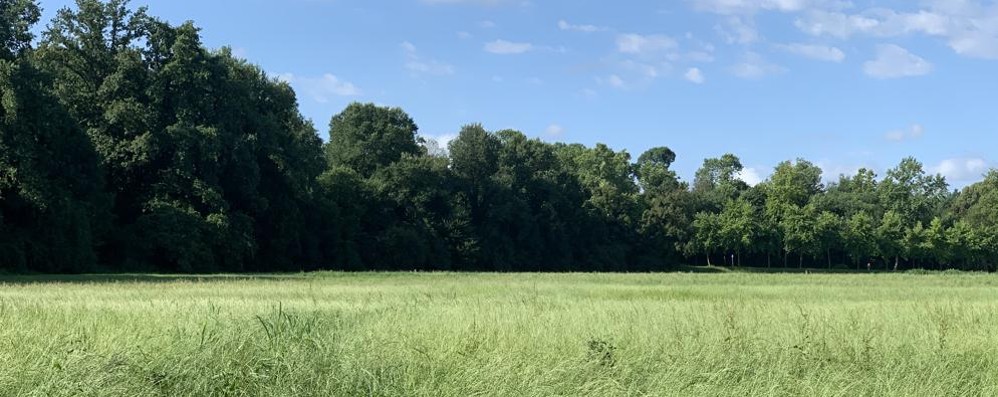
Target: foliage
point(126, 145)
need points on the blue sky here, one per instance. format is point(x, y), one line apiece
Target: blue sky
point(844, 84)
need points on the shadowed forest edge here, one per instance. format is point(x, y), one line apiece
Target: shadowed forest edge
point(127, 146)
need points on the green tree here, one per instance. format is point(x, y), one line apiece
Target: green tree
point(707, 233)
point(890, 237)
point(367, 137)
point(717, 181)
point(828, 234)
point(799, 234)
point(860, 237)
point(738, 227)
point(53, 210)
point(935, 244)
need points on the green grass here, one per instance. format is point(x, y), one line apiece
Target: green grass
point(335, 334)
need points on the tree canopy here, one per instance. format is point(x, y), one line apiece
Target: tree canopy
point(126, 145)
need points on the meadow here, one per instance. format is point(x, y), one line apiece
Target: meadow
point(466, 334)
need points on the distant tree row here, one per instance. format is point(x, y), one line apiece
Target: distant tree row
point(126, 145)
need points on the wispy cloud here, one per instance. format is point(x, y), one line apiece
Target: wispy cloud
point(750, 176)
point(969, 27)
point(416, 63)
point(694, 75)
point(321, 89)
point(437, 145)
point(915, 131)
point(632, 43)
point(754, 66)
point(476, 2)
point(814, 51)
point(959, 170)
point(893, 61)
point(564, 25)
point(615, 81)
point(554, 131)
point(504, 47)
point(738, 30)
point(729, 7)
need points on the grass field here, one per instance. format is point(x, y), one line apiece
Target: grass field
point(733, 334)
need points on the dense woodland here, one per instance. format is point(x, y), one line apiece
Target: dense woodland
point(126, 145)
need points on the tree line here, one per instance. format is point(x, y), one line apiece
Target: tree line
point(126, 145)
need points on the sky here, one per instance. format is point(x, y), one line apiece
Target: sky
point(843, 84)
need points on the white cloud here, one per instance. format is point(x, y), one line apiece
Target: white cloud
point(969, 27)
point(961, 169)
point(320, 89)
point(814, 51)
point(615, 81)
point(563, 25)
point(240, 52)
point(750, 176)
point(504, 47)
point(418, 65)
point(554, 131)
point(753, 6)
point(914, 132)
point(694, 75)
point(644, 69)
point(754, 66)
point(737, 30)
point(436, 145)
point(831, 171)
point(639, 44)
point(893, 61)
point(463, 35)
point(836, 24)
point(476, 2)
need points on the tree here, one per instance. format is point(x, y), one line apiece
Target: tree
point(912, 194)
point(852, 195)
point(890, 237)
point(367, 137)
point(860, 237)
point(798, 229)
point(914, 243)
point(828, 234)
point(707, 233)
point(795, 183)
point(653, 172)
point(936, 245)
point(738, 227)
point(16, 19)
point(717, 181)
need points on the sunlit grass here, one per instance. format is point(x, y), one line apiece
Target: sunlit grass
point(733, 334)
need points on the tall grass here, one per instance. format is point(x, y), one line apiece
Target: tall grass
point(334, 334)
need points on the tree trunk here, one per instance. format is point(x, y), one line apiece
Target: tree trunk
point(829, 258)
point(800, 261)
point(769, 260)
point(895, 263)
point(785, 255)
point(739, 259)
point(708, 261)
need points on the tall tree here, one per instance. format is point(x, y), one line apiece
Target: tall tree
point(860, 237)
point(367, 137)
point(717, 181)
point(53, 210)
